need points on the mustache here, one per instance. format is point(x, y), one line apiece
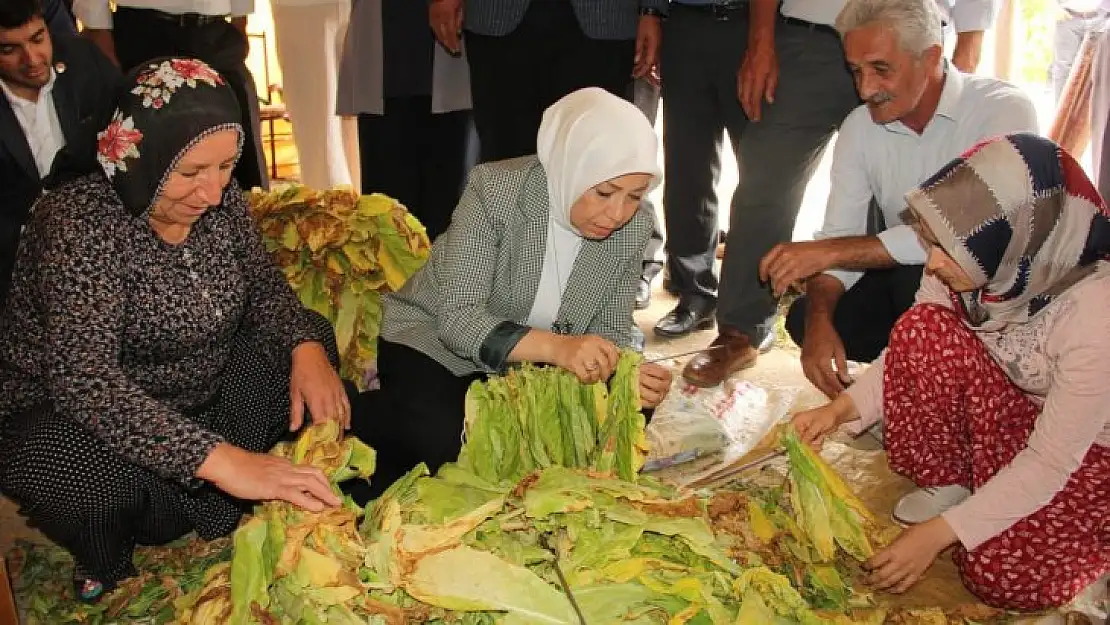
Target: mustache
point(880, 98)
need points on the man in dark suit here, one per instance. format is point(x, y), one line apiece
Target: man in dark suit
point(58, 93)
point(526, 54)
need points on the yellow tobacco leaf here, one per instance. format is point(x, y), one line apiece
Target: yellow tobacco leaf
point(291, 552)
point(375, 204)
point(761, 525)
point(315, 569)
point(685, 615)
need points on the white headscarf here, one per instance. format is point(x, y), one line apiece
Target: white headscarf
point(586, 138)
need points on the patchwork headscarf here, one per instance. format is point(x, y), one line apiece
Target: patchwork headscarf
point(1021, 218)
point(170, 105)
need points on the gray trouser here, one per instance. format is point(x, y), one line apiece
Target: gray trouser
point(776, 156)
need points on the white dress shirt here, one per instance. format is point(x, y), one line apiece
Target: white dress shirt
point(964, 15)
point(98, 14)
point(885, 161)
point(41, 126)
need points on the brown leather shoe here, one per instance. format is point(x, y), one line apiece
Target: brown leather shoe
point(711, 368)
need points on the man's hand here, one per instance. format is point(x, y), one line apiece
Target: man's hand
point(789, 264)
point(820, 348)
point(968, 50)
point(102, 38)
point(446, 19)
point(649, 36)
point(758, 77)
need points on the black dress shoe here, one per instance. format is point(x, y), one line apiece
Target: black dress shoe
point(685, 318)
point(643, 294)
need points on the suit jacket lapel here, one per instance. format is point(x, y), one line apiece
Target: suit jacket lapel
point(590, 281)
point(534, 209)
point(11, 134)
point(65, 103)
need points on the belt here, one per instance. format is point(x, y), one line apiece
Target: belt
point(722, 11)
point(820, 28)
point(183, 20)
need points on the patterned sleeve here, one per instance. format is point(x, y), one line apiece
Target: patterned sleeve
point(78, 276)
point(468, 252)
point(273, 309)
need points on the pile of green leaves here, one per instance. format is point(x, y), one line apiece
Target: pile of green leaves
point(479, 543)
point(534, 418)
point(42, 579)
point(339, 252)
point(290, 561)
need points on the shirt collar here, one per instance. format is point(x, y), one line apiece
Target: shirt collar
point(44, 92)
point(949, 104)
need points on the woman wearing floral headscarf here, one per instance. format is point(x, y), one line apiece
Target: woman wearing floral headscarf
point(995, 389)
point(150, 353)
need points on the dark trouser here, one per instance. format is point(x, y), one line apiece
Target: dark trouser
point(698, 66)
point(143, 34)
point(777, 157)
point(416, 416)
point(96, 505)
point(866, 312)
point(515, 77)
point(418, 157)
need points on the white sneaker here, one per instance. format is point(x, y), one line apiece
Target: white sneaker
point(926, 503)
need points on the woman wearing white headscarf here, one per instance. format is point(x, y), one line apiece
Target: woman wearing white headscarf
point(540, 264)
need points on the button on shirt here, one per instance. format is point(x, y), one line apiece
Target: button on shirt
point(40, 124)
point(885, 161)
point(98, 14)
point(964, 15)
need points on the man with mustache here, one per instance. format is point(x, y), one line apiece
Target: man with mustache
point(919, 112)
point(58, 93)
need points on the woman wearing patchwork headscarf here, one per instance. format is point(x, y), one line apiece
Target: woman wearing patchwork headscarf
point(993, 392)
point(540, 264)
point(150, 353)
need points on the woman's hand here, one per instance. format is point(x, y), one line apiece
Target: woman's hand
point(262, 477)
point(655, 382)
point(315, 385)
point(814, 425)
point(899, 566)
point(590, 358)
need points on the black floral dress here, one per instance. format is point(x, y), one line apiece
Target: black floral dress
point(124, 360)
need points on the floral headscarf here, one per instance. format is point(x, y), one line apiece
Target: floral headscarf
point(1021, 218)
point(170, 105)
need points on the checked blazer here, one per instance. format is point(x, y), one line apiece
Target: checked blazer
point(599, 19)
point(486, 267)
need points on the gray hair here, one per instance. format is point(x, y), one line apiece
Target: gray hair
point(916, 22)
